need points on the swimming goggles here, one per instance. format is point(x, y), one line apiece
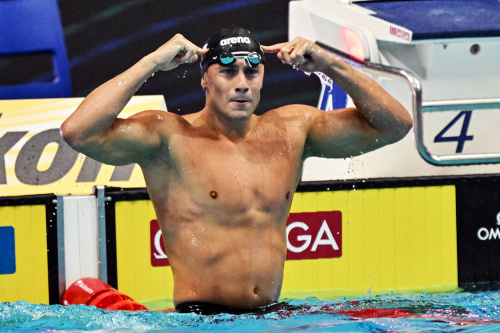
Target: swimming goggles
point(252, 58)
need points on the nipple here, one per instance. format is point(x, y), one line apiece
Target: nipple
point(213, 194)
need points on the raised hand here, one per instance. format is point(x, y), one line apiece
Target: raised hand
point(303, 54)
point(178, 50)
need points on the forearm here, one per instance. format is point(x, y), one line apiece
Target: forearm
point(382, 111)
point(377, 108)
point(101, 107)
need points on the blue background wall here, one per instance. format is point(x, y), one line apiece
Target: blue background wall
point(103, 38)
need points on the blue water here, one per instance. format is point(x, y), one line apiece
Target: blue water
point(460, 312)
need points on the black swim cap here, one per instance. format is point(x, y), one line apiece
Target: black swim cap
point(237, 41)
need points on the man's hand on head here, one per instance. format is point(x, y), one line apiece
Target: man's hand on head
point(302, 54)
point(178, 50)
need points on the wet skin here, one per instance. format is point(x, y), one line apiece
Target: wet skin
point(223, 213)
point(222, 179)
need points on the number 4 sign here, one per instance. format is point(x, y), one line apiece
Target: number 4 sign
point(460, 139)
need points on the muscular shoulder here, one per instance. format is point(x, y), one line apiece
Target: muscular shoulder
point(152, 116)
point(159, 121)
point(296, 114)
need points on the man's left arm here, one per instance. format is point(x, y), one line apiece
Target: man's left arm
point(378, 119)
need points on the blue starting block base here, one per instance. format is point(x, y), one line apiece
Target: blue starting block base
point(439, 19)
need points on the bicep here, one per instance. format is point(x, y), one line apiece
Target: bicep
point(127, 141)
point(340, 134)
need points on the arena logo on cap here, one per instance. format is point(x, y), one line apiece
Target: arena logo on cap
point(235, 40)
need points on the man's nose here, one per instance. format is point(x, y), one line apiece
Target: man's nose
point(242, 84)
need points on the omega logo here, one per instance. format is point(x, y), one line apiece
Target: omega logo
point(159, 253)
point(493, 233)
point(306, 239)
point(313, 235)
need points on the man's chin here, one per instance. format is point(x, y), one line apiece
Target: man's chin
point(236, 114)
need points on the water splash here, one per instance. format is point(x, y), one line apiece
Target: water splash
point(458, 312)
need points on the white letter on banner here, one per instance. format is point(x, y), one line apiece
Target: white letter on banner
point(319, 241)
point(160, 254)
point(306, 238)
point(480, 233)
point(494, 233)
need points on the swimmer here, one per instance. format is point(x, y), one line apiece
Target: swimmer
point(222, 179)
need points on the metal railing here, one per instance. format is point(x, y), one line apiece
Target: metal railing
point(418, 108)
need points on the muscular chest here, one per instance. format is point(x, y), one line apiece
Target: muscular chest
point(261, 172)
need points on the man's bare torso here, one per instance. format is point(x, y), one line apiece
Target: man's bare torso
point(223, 204)
point(222, 196)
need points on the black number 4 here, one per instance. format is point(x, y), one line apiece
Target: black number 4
point(463, 133)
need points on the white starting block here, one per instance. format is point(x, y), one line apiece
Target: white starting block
point(439, 58)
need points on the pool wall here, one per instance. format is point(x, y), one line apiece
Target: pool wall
point(394, 239)
point(28, 268)
point(359, 232)
point(425, 235)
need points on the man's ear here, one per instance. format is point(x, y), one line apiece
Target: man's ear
point(203, 82)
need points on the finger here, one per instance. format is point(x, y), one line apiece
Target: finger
point(300, 48)
point(190, 46)
point(273, 48)
point(190, 56)
point(298, 55)
point(201, 51)
point(289, 54)
point(285, 56)
point(298, 60)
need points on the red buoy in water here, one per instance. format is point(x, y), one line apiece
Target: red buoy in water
point(92, 291)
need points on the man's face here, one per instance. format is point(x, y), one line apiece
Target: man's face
point(233, 90)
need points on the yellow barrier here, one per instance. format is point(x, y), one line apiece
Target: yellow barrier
point(136, 276)
point(29, 281)
point(38, 161)
point(400, 240)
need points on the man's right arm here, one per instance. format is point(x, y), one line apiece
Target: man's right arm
point(94, 128)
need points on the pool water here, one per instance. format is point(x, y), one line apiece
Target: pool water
point(459, 312)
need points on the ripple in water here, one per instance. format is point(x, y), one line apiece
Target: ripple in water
point(460, 312)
